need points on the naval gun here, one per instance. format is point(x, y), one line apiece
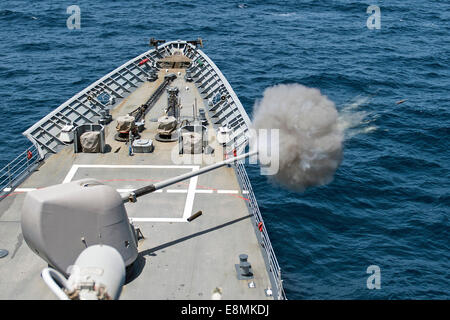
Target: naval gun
point(82, 230)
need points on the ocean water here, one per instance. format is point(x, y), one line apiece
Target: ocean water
point(388, 204)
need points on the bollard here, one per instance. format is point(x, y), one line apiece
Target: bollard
point(243, 257)
point(244, 268)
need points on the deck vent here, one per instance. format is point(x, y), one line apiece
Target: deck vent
point(3, 253)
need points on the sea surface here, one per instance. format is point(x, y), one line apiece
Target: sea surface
point(388, 204)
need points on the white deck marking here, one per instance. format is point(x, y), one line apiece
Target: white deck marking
point(20, 189)
point(75, 167)
point(190, 191)
point(227, 191)
point(158, 220)
point(143, 166)
point(177, 191)
point(71, 174)
point(187, 208)
point(203, 191)
point(191, 195)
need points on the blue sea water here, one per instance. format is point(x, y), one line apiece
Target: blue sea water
point(389, 202)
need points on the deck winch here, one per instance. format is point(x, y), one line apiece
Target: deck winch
point(125, 125)
point(167, 126)
point(168, 123)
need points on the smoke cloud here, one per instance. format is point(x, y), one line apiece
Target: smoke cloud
point(310, 137)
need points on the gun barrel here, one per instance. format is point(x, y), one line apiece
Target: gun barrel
point(131, 197)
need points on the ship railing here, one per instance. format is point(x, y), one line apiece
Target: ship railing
point(15, 171)
point(82, 109)
point(266, 244)
point(208, 68)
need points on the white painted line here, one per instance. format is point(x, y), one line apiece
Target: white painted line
point(158, 219)
point(20, 189)
point(177, 191)
point(75, 167)
point(71, 173)
point(144, 166)
point(203, 191)
point(191, 195)
point(245, 192)
point(228, 191)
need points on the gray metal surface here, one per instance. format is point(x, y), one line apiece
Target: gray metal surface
point(178, 259)
point(60, 221)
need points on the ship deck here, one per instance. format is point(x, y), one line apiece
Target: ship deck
point(177, 259)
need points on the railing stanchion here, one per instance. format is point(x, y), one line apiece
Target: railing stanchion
point(15, 170)
point(9, 176)
point(253, 205)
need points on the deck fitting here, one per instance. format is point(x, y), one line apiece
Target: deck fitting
point(3, 253)
point(244, 268)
